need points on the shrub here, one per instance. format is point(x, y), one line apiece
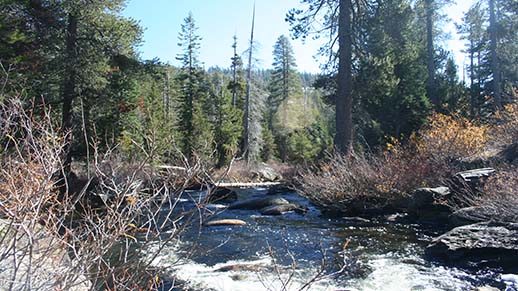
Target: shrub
point(381, 179)
point(88, 237)
point(499, 200)
point(450, 137)
point(505, 125)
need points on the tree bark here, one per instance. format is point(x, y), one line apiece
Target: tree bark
point(473, 102)
point(246, 121)
point(430, 62)
point(495, 67)
point(69, 90)
point(344, 122)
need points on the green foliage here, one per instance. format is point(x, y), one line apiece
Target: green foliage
point(306, 144)
point(392, 74)
point(269, 150)
point(193, 124)
point(227, 119)
point(285, 81)
point(147, 126)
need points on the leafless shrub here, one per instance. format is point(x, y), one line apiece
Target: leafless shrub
point(505, 125)
point(499, 199)
point(91, 236)
point(375, 181)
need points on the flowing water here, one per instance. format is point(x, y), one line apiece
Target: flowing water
point(289, 252)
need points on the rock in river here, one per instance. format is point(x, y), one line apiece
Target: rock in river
point(258, 203)
point(221, 194)
point(426, 198)
point(282, 209)
point(223, 222)
point(478, 245)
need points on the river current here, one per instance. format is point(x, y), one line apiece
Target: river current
point(309, 252)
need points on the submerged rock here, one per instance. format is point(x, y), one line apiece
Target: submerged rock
point(278, 189)
point(486, 288)
point(224, 222)
point(241, 268)
point(258, 203)
point(282, 209)
point(478, 245)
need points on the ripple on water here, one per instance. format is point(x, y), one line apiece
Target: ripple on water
point(379, 256)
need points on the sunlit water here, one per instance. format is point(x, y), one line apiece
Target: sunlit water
point(287, 252)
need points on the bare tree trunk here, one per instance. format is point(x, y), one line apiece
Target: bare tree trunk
point(167, 94)
point(246, 122)
point(430, 63)
point(473, 102)
point(234, 73)
point(344, 122)
point(69, 89)
point(495, 67)
point(479, 83)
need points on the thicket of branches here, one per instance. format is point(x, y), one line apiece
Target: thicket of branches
point(85, 232)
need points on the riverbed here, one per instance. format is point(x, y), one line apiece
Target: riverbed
point(308, 251)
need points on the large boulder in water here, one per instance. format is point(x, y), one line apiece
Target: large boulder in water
point(221, 194)
point(258, 203)
point(478, 245)
point(426, 198)
point(266, 174)
point(430, 204)
point(282, 209)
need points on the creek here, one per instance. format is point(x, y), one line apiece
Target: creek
point(285, 252)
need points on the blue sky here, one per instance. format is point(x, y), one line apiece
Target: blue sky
point(219, 20)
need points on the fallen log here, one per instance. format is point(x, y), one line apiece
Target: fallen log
point(247, 184)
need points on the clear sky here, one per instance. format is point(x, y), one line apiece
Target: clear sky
point(219, 20)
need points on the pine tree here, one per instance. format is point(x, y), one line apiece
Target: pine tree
point(391, 80)
point(285, 85)
point(285, 80)
point(192, 122)
point(495, 63)
point(237, 84)
point(67, 53)
point(508, 48)
point(430, 53)
point(473, 30)
point(339, 21)
point(227, 119)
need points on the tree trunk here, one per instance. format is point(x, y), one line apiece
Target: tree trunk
point(473, 102)
point(430, 63)
point(344, 122)
point(495, 68)
point(69, 90)
point(234, 73)
point(246, 121)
